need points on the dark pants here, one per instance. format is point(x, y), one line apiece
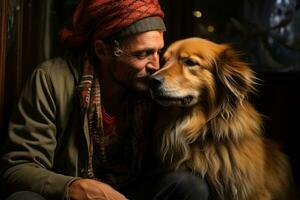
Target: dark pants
point(25, 195)
point(180, 185)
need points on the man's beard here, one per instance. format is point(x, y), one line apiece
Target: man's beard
point(140, 84)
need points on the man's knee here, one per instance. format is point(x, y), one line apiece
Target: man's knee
point(183, 185)
point(25, 195)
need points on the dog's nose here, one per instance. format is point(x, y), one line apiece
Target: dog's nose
point(156, 81)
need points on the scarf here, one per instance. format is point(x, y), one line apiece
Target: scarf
point(89, 93)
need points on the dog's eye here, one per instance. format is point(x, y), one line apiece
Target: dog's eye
point(189, 62)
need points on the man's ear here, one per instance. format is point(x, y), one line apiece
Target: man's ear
point(101, 49)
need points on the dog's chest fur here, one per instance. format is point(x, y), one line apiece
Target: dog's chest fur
point(187, 140)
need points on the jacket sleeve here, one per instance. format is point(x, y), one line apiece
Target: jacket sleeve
point(28, 154)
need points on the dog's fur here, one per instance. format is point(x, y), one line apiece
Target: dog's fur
point(207, 125)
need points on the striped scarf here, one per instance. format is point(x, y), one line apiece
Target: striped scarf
point(90, 102)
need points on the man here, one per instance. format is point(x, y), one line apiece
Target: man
point(81, 127)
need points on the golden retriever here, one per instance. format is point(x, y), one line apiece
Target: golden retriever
point(207, 125)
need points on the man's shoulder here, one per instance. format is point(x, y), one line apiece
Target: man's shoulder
point(56, 64)
point(58, 68)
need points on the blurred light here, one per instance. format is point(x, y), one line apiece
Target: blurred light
point(210, 28)
point(197, 13)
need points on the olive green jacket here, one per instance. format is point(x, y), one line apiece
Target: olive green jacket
point(45, 114)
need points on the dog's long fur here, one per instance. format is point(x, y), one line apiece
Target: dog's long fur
point(207, 125)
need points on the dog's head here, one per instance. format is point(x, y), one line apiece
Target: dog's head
point(200, 71)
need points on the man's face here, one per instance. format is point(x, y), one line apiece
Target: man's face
point(138, 60)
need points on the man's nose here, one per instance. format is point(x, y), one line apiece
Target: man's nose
point(153, 64)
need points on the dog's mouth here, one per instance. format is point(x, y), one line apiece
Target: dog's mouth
point(167, 100)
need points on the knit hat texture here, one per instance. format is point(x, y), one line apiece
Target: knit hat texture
point(99, 19)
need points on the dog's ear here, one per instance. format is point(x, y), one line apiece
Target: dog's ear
point(235, 77)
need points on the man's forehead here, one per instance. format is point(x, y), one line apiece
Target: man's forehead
point(147, 40)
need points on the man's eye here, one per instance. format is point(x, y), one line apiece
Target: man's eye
point(189, 62)
point(142, 54)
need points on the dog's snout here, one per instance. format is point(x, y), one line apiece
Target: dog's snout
point(156, 81)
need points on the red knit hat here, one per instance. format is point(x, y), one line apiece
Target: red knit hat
point(98, 19)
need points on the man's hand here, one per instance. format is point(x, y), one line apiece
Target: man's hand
point(87, 189)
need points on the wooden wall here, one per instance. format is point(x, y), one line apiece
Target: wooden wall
point(3, 44)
